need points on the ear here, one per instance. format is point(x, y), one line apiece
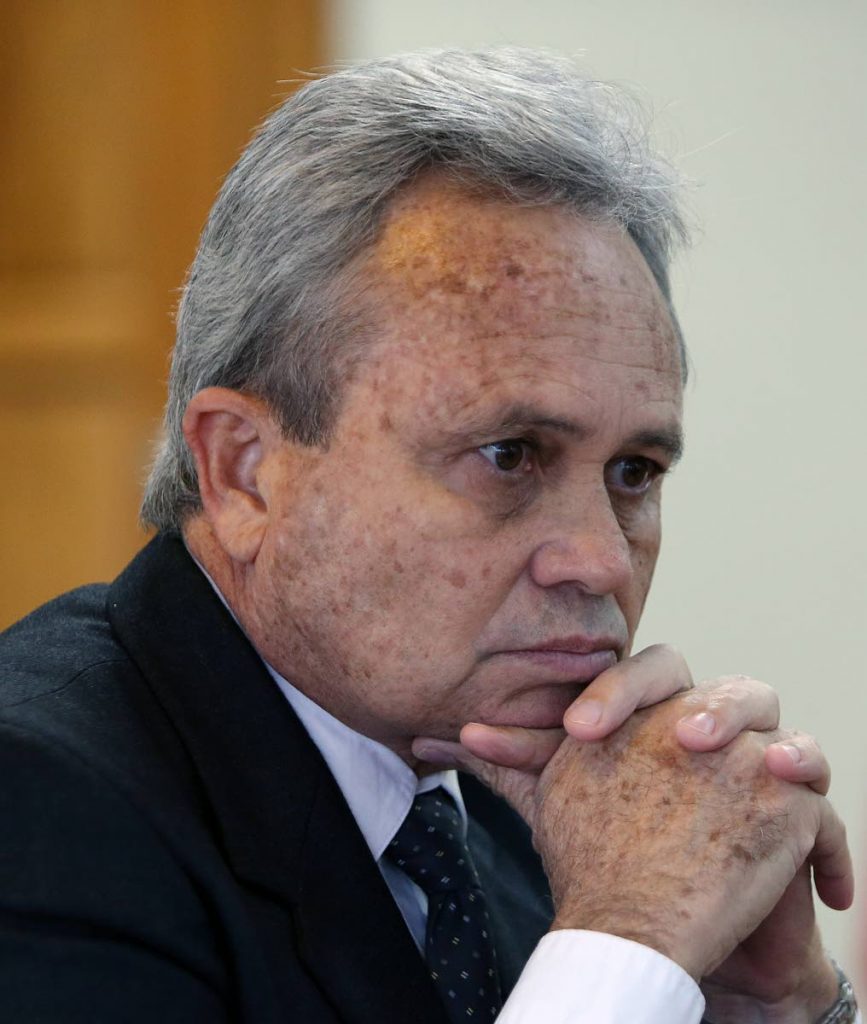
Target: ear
point(228, 434)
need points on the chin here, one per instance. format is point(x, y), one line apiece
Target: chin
point(535, 711)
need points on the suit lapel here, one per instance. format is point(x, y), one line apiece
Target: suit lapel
point(283, 824)
point(348, 917)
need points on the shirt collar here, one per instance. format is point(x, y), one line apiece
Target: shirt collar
point(378, 785)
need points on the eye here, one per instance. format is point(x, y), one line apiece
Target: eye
point(508, 455)
point(633, 475)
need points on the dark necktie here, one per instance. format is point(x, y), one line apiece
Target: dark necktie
point(430, 848)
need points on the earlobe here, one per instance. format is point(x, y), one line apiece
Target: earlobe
point(226, 432)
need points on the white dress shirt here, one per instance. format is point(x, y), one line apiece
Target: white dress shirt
point(573, 977)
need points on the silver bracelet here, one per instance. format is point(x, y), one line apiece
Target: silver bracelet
point(845, 1009)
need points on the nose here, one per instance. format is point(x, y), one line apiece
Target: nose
point(586, 547)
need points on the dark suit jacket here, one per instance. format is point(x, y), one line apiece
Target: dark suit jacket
point(172, 845)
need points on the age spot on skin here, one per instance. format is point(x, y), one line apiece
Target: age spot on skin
point(452, 282)
point(740, 852)
point(457, 579)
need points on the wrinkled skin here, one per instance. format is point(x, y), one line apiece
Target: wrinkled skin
point(689, 840)
point(475, 542)
point(704, 856)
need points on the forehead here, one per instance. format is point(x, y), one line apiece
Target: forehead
point(483, 294)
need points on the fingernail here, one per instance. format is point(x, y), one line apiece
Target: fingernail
point(585, 712)
point(793, 751)
point(702, 722)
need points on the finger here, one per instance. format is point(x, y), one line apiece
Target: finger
point(518, 787)
point(799, 758)
point(651, 676)
point(831, 861)
point(443, 753)
point(528, 750)
point(720, 709)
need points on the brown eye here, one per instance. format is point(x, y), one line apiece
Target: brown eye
point(633, 474)
point(505, 455)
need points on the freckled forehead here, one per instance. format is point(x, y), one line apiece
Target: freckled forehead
point(469, 285)
point(440, 237)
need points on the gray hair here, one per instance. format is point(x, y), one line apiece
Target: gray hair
point(261, 311)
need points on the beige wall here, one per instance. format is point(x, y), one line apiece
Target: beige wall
point(765, 563)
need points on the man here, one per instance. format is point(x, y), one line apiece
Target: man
point(426, 386)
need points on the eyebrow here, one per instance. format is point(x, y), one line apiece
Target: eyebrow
point(520, 418)
point(668, 440)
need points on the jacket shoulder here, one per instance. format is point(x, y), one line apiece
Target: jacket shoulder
point(93, 898)
point(108, 866)
point(55, 644)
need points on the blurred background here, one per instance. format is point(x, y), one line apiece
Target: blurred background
point(120, 118)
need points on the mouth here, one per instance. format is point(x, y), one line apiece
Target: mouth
point(579, 657)
point(571, 666)
point(536, 681)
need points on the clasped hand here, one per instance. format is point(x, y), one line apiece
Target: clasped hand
point(690, 823)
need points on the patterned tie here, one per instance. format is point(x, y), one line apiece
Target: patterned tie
point(430, 848)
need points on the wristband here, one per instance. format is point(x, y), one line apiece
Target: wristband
point(845, 1009)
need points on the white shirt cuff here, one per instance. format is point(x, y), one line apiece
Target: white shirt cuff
point(583, 977)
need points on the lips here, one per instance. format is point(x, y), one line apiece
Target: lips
point(568, 665)
point(532, 682)
point(578, 643)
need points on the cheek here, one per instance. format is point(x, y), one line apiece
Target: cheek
point(381, 565)
point(385, 585)
point(426, 579)
point(644, 538)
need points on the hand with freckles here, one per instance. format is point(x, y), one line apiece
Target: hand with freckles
point(510, 759)
point(691, 823)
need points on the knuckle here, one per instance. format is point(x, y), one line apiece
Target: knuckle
point(740, 687)
point(736, 692)
point(767, 693)
point(695, 699)
point(803, 739)
point(674, 659)
point(749, 747)
point(807, 742)
point(665, 650)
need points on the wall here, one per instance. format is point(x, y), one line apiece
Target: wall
point(119, 122)
point(764, 567)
